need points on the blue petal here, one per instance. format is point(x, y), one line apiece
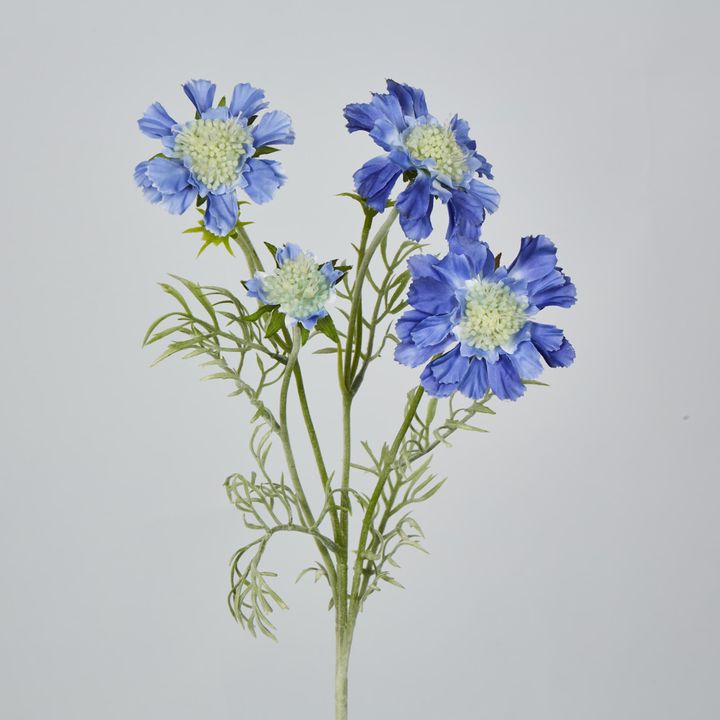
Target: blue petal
point(168, 176)
point(246, 100)
point(156, 123)
point(389, 107)
point(221, 213)
point(467, 210)
point(375, 180)
point(177, 203)
point(390, 124)
point(407, 353)
point(407, 322)
point(201, 94)
point(433, 330)
point(562, 357)
point(330, 273)
point(432, 296)
point(360, 116)
point(433, 386)
point(289, 251)
point(475, 383)
point(487, 196)
point(485, 168)
point(274, 128)
point(461, 130)
point(536, 258)
point(256, 289)
point(218, 113)
point(412, 100)
point(481, 258)
point(263, 177)
point(386, 134)
point(144, 182)
point(546, 337)
point(527, 360)
point(555, 288)
point(422, 265)
point(504, 380)
point(415, 205)
point(449, 368)
point(552, 344)
point(456, 269)
point(309, 322)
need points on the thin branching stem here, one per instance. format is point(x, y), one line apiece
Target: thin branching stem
point(377, 492)
point(290, 457)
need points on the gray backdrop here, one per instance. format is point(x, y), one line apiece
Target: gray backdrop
point(573, 569)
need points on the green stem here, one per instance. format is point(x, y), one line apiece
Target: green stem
point(375, 498)
point(290, 457)
point(251, 257)
point(315, 444)
point(355, 305)
point(343, 642)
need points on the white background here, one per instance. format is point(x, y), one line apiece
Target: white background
point(574, 551)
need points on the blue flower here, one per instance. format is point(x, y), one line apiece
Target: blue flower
point(215, 154)
point(299, 287)
point(440, 160)
point(472, 321)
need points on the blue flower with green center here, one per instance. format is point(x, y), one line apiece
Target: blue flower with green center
point(215, 154)
point(299, 287)
point(472, 321)
point(439, 159)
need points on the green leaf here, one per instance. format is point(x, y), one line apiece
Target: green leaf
point(272, 249)
point(326, 326)
point(258, 313)
point(222, 102)
point(196, 290)
point(304, 334)
point(325, 351)
point(265, 150)
point(277, 321)
point(353, 196)
point(170, 290)
point(431, 410)
point(480, 408)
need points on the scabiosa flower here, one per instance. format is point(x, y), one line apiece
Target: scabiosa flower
point(299, 287)
point(438, 158)
point(215, 154)
point(474, 320)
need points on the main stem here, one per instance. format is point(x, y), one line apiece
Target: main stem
point(344, 615)
point(343, 642)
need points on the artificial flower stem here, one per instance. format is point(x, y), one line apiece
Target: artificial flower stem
point(252, 258)
point(343, 624)
point(355, 306)
point(343, 642)
point(315, 444)
point(355, 598)
point(307, 514)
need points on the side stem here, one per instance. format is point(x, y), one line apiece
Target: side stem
point(307, 515)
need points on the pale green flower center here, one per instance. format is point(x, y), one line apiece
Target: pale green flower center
point(214, 148)
point(298, 287)
point(493, 314)
point(437, 143)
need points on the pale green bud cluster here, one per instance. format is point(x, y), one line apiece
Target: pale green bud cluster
point(438, 143)
point(214, 148)
point(298, 287)
point(493, 314)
